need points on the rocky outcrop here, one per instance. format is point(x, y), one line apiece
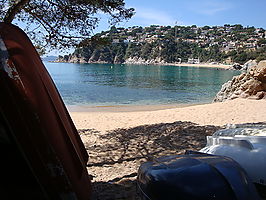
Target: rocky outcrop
point(249, 64)
point(236, 66)
point(141, 61)
point(71, 59)
point(260, 71)
point(118, 59)
point(76, 59)
point(251, 84)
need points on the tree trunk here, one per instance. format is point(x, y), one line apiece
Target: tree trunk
point(14, 9)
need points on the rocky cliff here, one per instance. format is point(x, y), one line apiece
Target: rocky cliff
point(251, 84)
point(159, 51)
point(115, 53)
point(116, 60)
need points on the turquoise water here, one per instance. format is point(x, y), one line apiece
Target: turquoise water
point(105, 84)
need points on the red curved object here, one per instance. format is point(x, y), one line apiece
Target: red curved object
point(35, 122)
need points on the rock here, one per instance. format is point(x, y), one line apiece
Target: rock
point(119, 59)
point(249, 64)
point(236, 66)
point(76, 59)
point(260, 72)
point(64, 58)
point(241, 76)
point(94, 57)
point(82, 60)
point(250, 85)
point(261, 94)
point(262, 63)
point(141, 61)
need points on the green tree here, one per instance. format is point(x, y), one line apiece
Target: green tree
point(61, 23)
point(113, 30)
point(146, 50)
point(262, 42)
point(238, 27)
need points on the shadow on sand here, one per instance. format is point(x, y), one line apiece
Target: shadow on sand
point(116, 156)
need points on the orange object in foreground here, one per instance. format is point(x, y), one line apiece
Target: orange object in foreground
point(42, 155)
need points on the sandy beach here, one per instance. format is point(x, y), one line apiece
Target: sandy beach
point(208, 65)
point(120, 138)
point(230, 112)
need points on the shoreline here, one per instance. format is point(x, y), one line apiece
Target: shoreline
point(128, 108)
point(204, 65)
point(236, 111)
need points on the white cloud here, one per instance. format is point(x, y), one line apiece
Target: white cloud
point(210, 7)
point(147, 16)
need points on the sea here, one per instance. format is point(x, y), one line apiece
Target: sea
point(119, 84)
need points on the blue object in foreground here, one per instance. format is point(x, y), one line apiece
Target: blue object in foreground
point(195, 176)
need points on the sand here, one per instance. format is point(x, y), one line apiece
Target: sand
point(120, 139)
point(208, 65)
point(230, 112)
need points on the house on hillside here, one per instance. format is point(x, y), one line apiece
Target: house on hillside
point(115, 41)
point(193, 61)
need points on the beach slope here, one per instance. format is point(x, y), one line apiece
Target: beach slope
point(119, 140)
point(230, 112)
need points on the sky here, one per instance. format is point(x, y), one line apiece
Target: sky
point(198, 12)
point(192, 12)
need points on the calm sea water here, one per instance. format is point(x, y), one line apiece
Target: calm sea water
point(105, 84)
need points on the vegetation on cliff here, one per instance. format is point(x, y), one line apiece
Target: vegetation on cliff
point(227, 44)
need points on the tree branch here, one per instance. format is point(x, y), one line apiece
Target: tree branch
point(13, 10)
point(52, 29)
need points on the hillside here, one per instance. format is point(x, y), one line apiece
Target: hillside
point(49, 58)
point(165, 44)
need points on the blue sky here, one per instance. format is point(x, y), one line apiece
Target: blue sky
point(198, 12)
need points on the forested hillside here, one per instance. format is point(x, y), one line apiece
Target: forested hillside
point(165, 44)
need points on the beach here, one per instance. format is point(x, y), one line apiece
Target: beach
point(230, 112)
point(120, 138)
point(208, 65)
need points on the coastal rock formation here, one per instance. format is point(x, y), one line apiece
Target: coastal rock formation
point(141, 61)
point(236, 66)
point(71, 59)
point(251, 84)
point(260, 72)
point(75, 59)
point(172, 44)
point(249, 64)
